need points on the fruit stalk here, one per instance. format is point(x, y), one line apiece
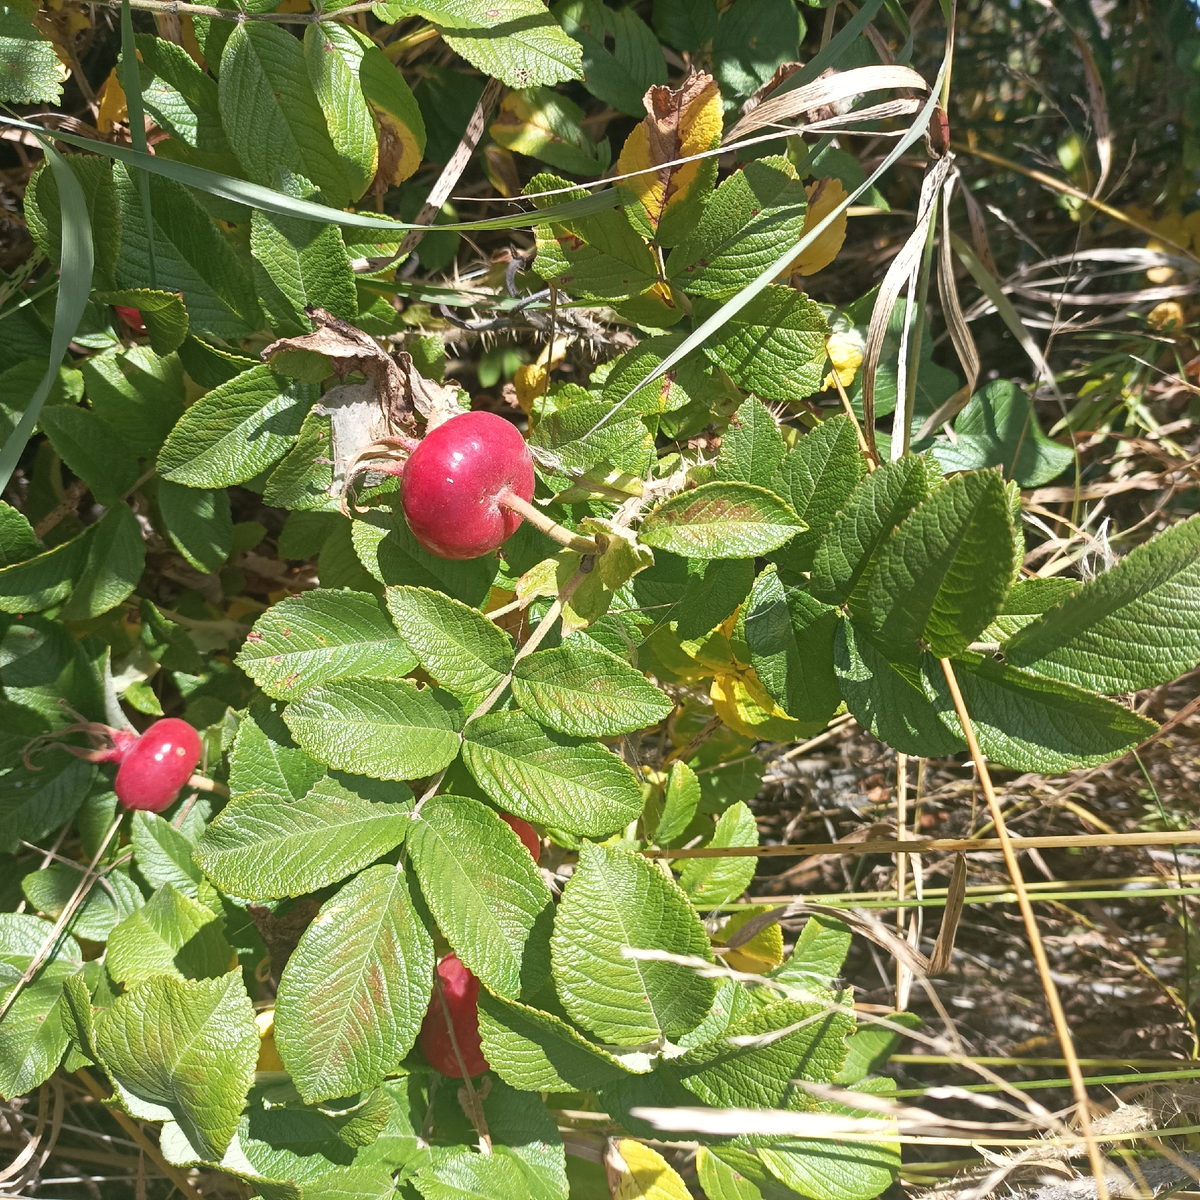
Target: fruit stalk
point(551, 528)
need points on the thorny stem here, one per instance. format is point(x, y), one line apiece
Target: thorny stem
point(473, 1106)
point(1070, 1058)
point(551, 528)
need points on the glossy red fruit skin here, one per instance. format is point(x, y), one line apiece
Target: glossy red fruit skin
point(157, 765)
point(526, 833)
point(461, 990)
point(453, 479)
point(131, 316)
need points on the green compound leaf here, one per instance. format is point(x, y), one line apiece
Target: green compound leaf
point(481, 885)
point(322, 635)
point(388, 729)
point(790, 635)
point(576, 786)
point(817, 478)
point(887, 696)
point(774, 346)
point(1133, 627)
point(516, 41)
point(237, 430)
point(1032, 723)
point(266, 759)
point(49, 889)
point(458, 647)
point(943, 574)
point(355, 990)
point(773, 1046)
point(199, 523)
point(880, 502)
point(538, 1052)
point(264, 846)
point(716, 881)
point(721, 520)
point(169, 935)
point(616, 899)
point(163, 314)
point(587, 692)
point(30, 70)
point(189, 1045)
point(752, 447)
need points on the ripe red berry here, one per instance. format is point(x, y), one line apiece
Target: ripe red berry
point(461, 990)
point(455, 482)
point(157, 765)
point(526, 833)
point(131, 316)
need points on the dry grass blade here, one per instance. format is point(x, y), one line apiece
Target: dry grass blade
point(824, 92)
point(1098, 108)
point(943, 949)
point(885, 1107)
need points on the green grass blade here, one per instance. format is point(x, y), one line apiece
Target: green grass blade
point(131, 81)
point(74, 286)
point(832, 53)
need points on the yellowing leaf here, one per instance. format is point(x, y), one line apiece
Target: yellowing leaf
point(268, 1056)
point(112, 109)
point(678, 124)
point(636, 1172)
point(823, 197)
point(542, 124)
point(762, 952)
point(845, 350)
point(531, 381)
point(1168, 313)
point(399, 126)
point(399, 153)
point(743, 704)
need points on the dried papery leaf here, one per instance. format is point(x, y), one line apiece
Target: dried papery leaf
point(979, 236)
point(956, 893)
point(1098, 108)
point(829, 90)
point(436, 402)
point(357, 422)
point(865, 1102)
point(903, 266)
point(678, 124)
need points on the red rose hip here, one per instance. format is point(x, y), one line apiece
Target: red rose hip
point(131, 316)
point(526, 833)
point(461, 990)
point(456, 483)
point(157, 765)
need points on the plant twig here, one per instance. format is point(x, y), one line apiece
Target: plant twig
point(1078, 1086)
point(183, 8)
point(70, 502)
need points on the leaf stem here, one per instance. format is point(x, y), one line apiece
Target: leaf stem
point(550, 527)
point(1070, 1058)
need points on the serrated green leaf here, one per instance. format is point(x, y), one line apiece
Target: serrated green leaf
point(236, 430)
point(168, 935)
point(191, 256)
point(354, 992)
point(92, 449)
point(712, 593)
point(576, 786)
point(817, 478)
point(164, 855)
point(721, 520)
point(389, 729)
point(21, 938)
point(17, 539)
point(538, 1052)
point(581, 439)
point(458, 647)
point(30, 71)
point(189, 1045)
point(465, 1175)
point(49, 889)
point(747, 47)
point(45, 579)
point(525, 1131)
point(138, 393)
point(266, 759)
point(943, 573)
point(1135, 626)
point(544, 124)
point(271, 115)
point(720, 1181)
point(1027, 599)
point(616, 899)
point(32, 803)
point(790, 635)
point(774, 346)
point(1031, 723)
point(619, 76)
point(114, 560)
point(681, 795)
point(43, 212)
point(303, 479)
point(587, 692)
point(264, 846)
point(199, 524)
point(163, 314)
point(880, 502)
point(318, 636)
point(481, 885)
point(332, 55)
point(516, 41)
point(182, 99)
point(713, 882)
point(887, 697)
point(870, 1046)
point(39, 664)
point(752, 447)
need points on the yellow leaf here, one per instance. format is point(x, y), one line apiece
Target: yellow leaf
point(268, 1056)
point(501, 170)
point(636, 1172)
point(1168, 313)
point(762, 952)
point(845, 349)
point(531, 381)
point(113, 110)
point(399, 151)
point(823, 197)
point(742, 703)
point(678, 124)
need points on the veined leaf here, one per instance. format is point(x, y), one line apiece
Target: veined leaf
point(355, 990)
point(680, 798)
point(92, 449)
point(264, 846)
point(720, 1181)
point(619, 76)
point(45, 579)
point(587, 692)
point(576, 786)
point(615, 900)
point(169, 935)
point(400, 127)
point(163, 314)
point(389, 729)
point(48, 890)
point(266, 759)
point(638, 1172)
point(716, 881)
point(30, 71)
point(752, 447)
point(43, 211)
point(114, 557)
point(721, 520)
point(137, 392)
point(332, 53)
point(541, 123)
point(189, 1045)
point(199, 523)
point(164, 855)
point(17, 539)
point(467, 1175)
point(322, 635)
point(481, 885)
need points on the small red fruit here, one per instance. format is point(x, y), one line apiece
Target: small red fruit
point(461, 990)
point(131, 316)
point(526, 833)
point(157, 765)
point(456, 482)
